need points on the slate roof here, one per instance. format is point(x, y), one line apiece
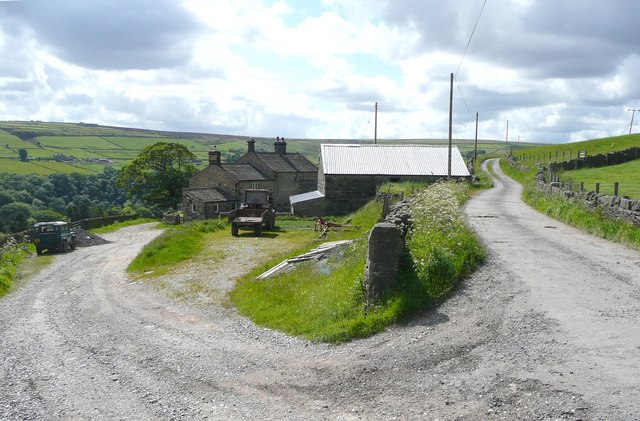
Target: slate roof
point(400, 160)
point(207, 195)
point(243, 172)
point(290, 162)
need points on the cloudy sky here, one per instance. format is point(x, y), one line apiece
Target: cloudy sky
point(558, 71)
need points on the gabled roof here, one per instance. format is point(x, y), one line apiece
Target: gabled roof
point(400, 160)
point(243, 172)
point(207, 195)
point(290, 162)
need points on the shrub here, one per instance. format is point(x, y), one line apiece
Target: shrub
point(442, 247)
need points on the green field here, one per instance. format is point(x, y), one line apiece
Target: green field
point(11, 141)
point(47, 167)
point(76, 142)
point(627, 176)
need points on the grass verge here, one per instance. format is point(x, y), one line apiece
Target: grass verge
point(325, 302)
point(573, 213)
point(114, 227)
point(13, 267)
point(175, 245)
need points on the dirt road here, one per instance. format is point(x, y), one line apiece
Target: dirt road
point(547, 329)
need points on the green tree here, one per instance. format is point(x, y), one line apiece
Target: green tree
point(23, 154)
point(14, 217)
point(158, 174)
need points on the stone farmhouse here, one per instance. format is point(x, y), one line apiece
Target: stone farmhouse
point(220, 187)
point(350, 175)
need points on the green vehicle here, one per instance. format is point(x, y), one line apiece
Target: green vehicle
point(54, 236)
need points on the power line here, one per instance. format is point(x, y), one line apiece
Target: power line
point(471, 37)
point(462, 96)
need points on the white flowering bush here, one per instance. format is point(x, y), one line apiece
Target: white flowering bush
point(443, 249)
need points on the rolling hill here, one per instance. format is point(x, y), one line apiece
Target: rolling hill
point(89, 148)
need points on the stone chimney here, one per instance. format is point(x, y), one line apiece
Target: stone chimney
point(280, 146)
point(214, 157)
point(251, 145)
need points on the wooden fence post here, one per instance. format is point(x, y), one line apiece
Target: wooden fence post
point(615, 188)
point(582, 186)
point(597, 188)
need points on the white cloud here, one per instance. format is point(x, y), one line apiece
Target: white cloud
point(557, 71)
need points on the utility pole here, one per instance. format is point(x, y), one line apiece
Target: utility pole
point(450, 127)
point(506, 139)
point(633, 113)
point(475, 146)
point(375, 125)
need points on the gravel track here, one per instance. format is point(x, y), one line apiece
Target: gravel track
point(547, 329)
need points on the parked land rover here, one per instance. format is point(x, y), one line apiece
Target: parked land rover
point(53, 236)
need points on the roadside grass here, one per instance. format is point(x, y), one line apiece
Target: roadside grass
point(174, 246)
point(442, 247)
point(118, 225)
point(573, 213)
point(326, 302)
point(16, 266)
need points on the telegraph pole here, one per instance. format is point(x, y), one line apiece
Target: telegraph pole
point(506, 139)
point(450, 127)
point(475, 146)
point(633, 113)
point(375, 125)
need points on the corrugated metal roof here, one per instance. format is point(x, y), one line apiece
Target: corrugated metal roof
point(305, 196)
point(398, 160)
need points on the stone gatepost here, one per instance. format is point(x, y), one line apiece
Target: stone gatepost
point(383, 256)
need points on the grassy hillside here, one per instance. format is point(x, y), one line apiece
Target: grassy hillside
point(95, 147)
point(570, 150)
point(627, 175)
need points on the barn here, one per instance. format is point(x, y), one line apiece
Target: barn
point(350, 174)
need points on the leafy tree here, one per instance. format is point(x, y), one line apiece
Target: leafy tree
point(158, 174)
point(47, 215)
point(5, 198)
point(14, 217)
point(23, 154)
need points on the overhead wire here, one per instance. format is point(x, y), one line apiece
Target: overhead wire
point(466, 48)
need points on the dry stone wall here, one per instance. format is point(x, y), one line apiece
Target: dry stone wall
point(600, 160)
point(615, 207)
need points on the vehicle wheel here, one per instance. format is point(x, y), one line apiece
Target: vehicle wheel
point(258, 230)
point(72, 245)
point(234, 230)
point(39, 251)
